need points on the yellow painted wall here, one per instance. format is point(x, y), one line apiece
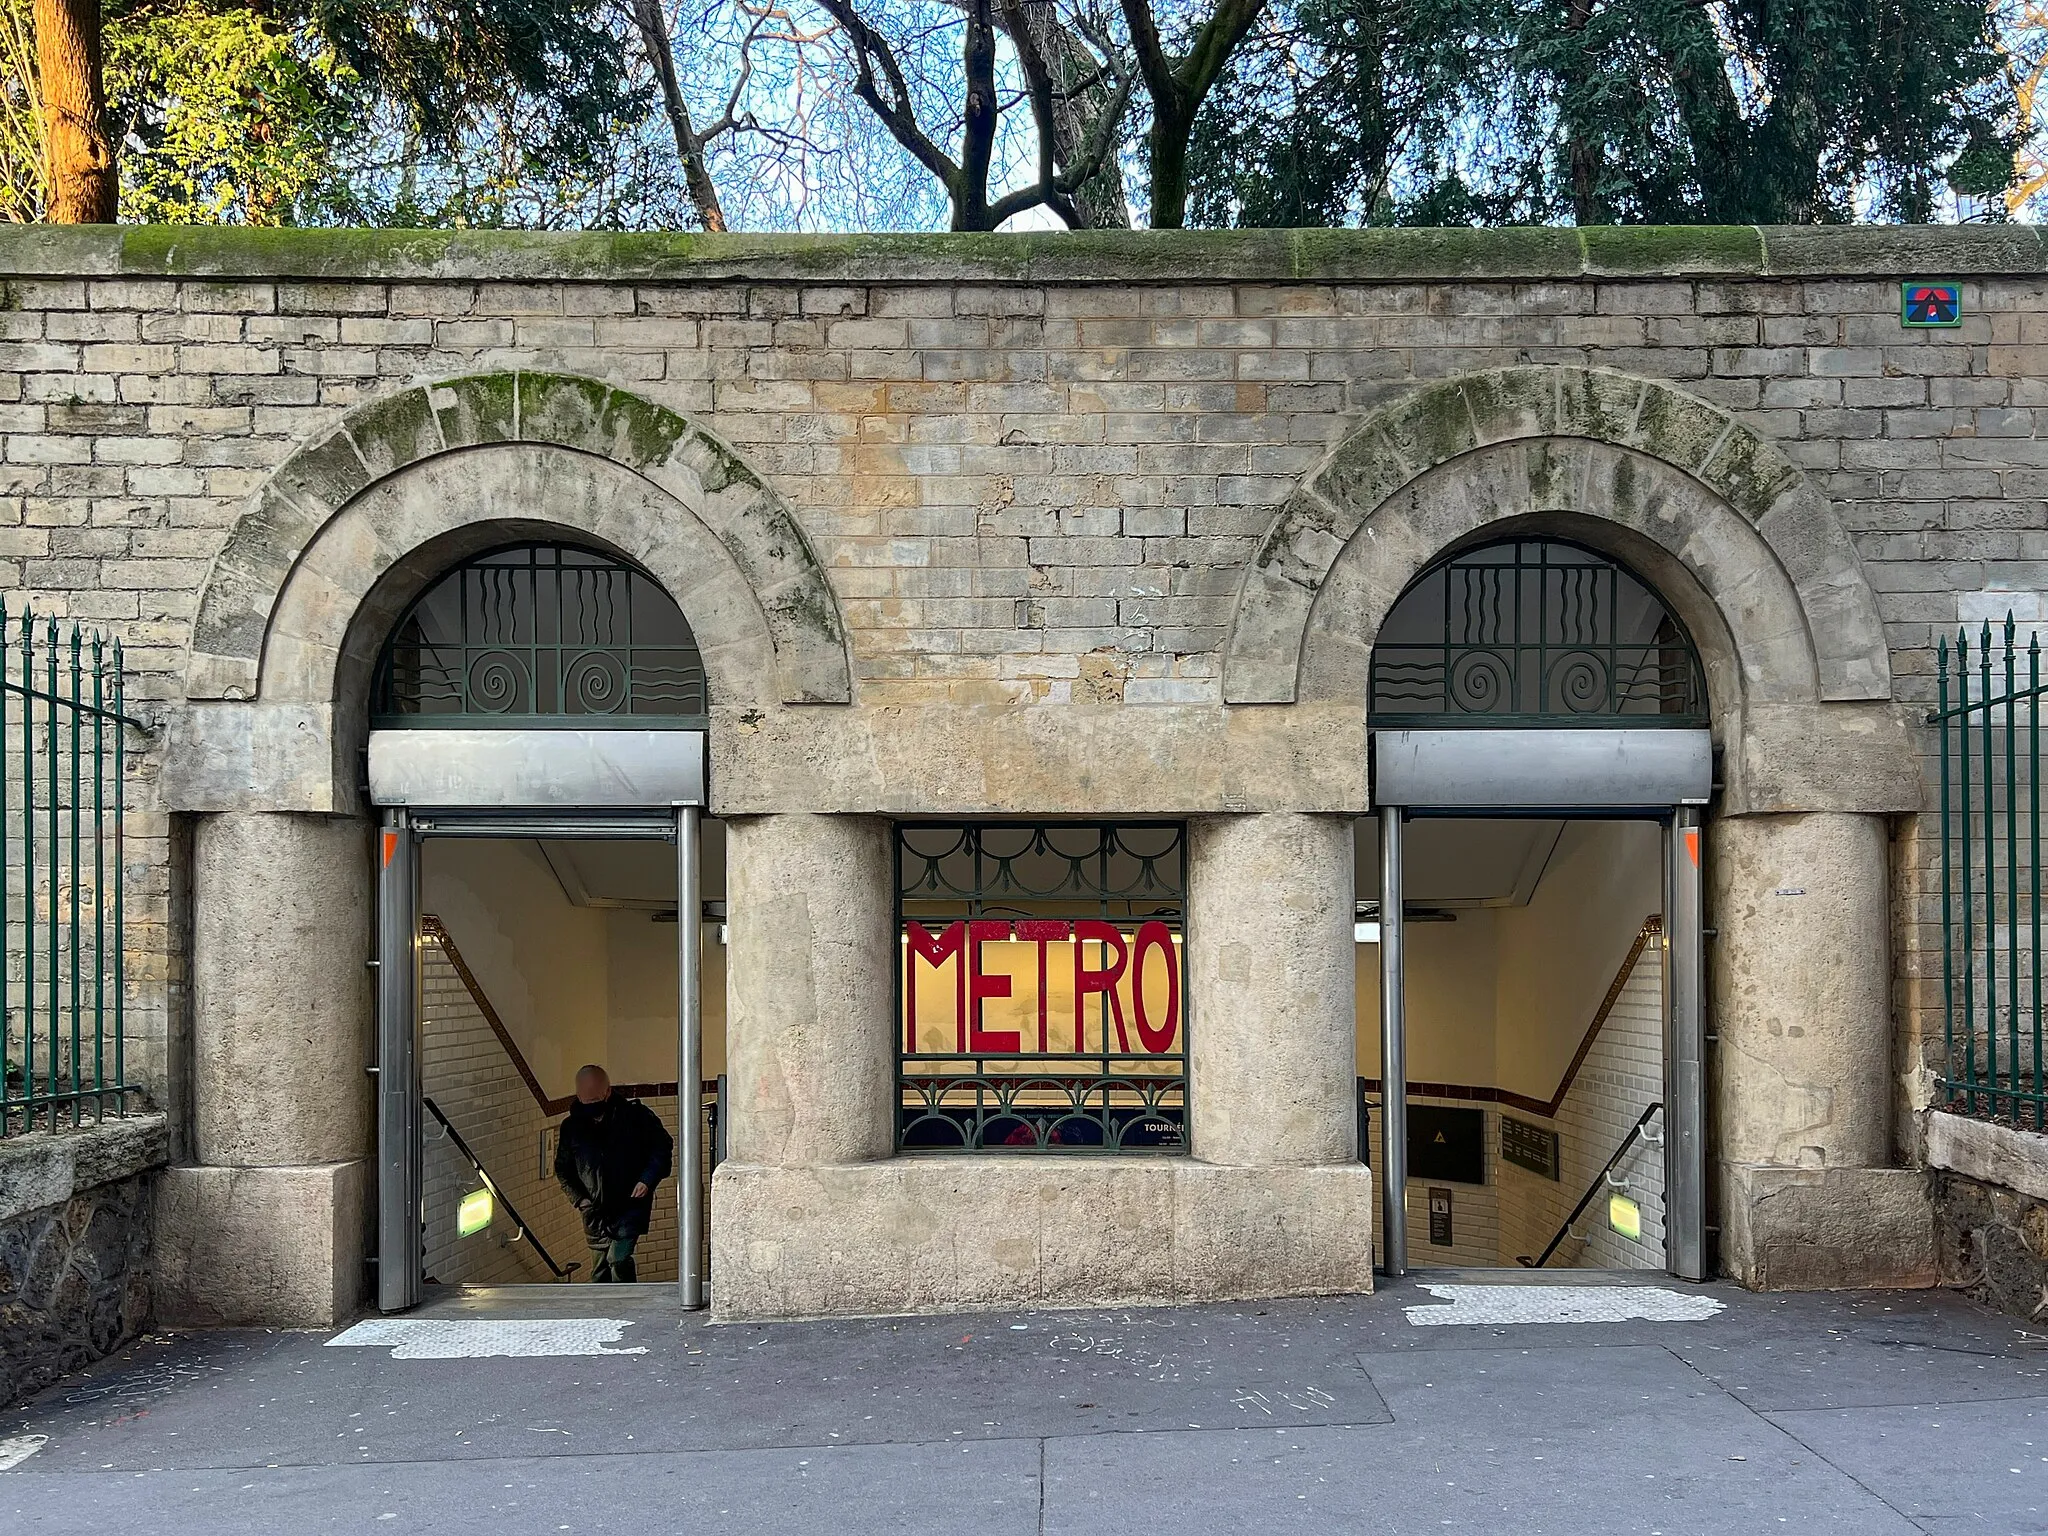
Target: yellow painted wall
point(543, 964)
point(1502, 996)
point(1556, 957)
point(572, 984)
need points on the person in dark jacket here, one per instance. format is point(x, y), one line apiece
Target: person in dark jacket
point(611, 1153)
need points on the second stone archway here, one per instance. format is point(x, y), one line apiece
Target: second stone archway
point(1813, 754)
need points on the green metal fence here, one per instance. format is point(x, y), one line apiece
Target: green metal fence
point(1989, 718)
point(62, 923)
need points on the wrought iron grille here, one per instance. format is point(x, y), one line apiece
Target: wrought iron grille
point(1041, 993)
point(541, 634)
point(1534, 632)
point(63, 923)
point(1988, 713)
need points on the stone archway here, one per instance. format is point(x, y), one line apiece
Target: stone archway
point(1687, 476)
point(1814, 753)
point(353, 525)
point(697, 495)
point(267, 1222)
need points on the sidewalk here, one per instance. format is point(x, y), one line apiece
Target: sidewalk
point(1868, 1413)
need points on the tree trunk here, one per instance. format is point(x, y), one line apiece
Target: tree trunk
point(689, 146)
point(1170, 132)
point(978, 122)
point(83, 183)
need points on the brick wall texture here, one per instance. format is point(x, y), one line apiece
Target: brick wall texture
point(1023, 492)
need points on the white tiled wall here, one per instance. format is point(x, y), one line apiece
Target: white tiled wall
point(465, 1070)
point(1515, 1212)
point(1622, 1075)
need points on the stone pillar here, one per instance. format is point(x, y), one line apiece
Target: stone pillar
point(1799, 978)
point(810, 990)
point(270, 1227)
point(1272, 991)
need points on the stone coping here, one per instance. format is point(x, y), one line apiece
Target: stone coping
point(47, 1168)
point(1166, 257)
point(1988, 1153)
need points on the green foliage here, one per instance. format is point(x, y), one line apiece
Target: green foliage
point(391, 112)
point(227, 117)
point(1312, 117)
point(1657, 111)
point(21, 115)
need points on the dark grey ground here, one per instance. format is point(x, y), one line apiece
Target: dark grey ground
point(1867, 1413)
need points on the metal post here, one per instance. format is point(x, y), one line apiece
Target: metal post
point(401, 1254)
point(689, 1064)
point(1393, 1051)
point(1685, 1097)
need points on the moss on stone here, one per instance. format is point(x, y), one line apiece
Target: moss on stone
point(1903, 251)
point(1081, 256)
point(718, 467)
point(477, 408)
point(1592, 402)
point(1650, 250)
point(1749, 473)
point(1390, 255)
point(1512, 402)
point(638, 431)
point(324, 474)
point(1430, 426)
point(562, 408)
point(394, 431)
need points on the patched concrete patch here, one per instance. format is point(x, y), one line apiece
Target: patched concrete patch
point(419, 1338)
point(1498, 1304)
point(14, 1452)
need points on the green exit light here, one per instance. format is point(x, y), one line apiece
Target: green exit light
point(1625, 1216)
point(474, 1214)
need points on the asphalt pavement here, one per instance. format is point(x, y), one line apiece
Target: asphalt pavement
point(1445, 1402)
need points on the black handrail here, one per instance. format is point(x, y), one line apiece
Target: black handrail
point(498, 1194)
point(1592, 1189)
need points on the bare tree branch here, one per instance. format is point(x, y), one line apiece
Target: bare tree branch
point(1178, 87)
point(654, 35)
point(897, 113)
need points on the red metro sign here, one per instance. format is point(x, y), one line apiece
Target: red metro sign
point(1091, 978)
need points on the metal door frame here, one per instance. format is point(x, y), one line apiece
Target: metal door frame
point(1684, 1006)
point(401, 1152)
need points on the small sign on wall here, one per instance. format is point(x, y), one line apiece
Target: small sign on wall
point(1925, 305)
point(1440, 1217)
point(1528, 1146)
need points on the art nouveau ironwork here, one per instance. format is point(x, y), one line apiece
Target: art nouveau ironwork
point(541, 634)
point(1040, 994)
point(1534, 632)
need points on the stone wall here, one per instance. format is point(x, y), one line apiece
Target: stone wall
point(1093, 525)
point(1990, 1185)
point(75, 1235)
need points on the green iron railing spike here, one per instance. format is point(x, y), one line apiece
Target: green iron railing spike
point(1994, 1065)
point(59, 1068)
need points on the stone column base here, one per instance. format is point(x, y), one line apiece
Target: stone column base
point(1819, 1229)
point(262, 1247)
point(940, 1234)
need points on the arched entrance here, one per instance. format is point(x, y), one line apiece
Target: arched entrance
point(1812, 755)
point(266, 761)
point(536, 753)
point(1541, 756)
